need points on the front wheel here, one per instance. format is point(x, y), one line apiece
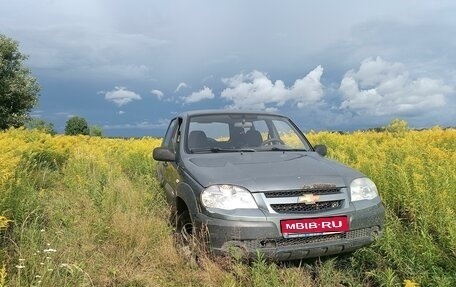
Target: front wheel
point(185, 239)
point(184, 227)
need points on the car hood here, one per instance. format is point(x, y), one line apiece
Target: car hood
point(260, 171)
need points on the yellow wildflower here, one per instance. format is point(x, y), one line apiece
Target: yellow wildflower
point(410, 283)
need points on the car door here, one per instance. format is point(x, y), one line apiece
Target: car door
point(168, 171)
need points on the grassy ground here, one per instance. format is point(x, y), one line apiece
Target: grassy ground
point(87, 211)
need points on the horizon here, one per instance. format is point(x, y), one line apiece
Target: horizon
point(305, 132)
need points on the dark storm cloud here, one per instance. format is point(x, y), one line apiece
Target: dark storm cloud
point(178, 55)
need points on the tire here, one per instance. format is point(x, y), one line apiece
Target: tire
point(184, 239)
point(184, 227)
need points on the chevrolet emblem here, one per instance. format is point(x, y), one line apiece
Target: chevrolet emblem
point(308, 199)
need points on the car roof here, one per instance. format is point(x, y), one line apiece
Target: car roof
point(225, 111)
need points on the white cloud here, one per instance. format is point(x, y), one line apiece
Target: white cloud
point(120, 112)
point(256, 91)
point(308, 87)
point(159, 94)
point(180, 86)
point(121, 96)
point(64, 114)
point(203, 94)
point(382, 88)
point(37, 114)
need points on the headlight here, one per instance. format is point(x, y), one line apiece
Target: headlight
point(227, 197)
point(363, 188)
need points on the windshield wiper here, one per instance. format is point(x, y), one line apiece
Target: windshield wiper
point(274, 148)
point(218, 149)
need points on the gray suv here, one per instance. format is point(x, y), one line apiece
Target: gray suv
point(254, 183)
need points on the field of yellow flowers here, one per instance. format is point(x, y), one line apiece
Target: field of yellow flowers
point(87, 211)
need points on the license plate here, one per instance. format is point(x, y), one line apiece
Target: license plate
point(314, 226)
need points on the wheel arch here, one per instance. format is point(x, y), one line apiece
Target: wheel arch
point(186, 200)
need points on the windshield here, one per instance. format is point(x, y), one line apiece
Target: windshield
point(243, 132)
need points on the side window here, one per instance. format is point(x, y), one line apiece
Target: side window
point(171, 135)
point(287, 134)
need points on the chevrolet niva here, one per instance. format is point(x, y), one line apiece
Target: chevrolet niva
point(255, 183)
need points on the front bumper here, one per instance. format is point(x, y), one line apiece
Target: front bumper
point(265, 237)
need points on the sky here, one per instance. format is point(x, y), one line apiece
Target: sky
point(131, 66)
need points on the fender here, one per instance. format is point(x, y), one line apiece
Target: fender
point(188, 195)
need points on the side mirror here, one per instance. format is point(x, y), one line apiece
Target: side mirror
point(321, 149)
point(163, 154)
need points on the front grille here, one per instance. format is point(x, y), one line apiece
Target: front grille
point(307, 208)
point(359, 233)
point(311, 239)
point(300, 192)
point(284, 242)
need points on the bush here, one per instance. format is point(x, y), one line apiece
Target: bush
point(77, 126)
point(397, 126)
point(96, 131)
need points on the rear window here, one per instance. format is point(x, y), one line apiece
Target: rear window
point(216, 131)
